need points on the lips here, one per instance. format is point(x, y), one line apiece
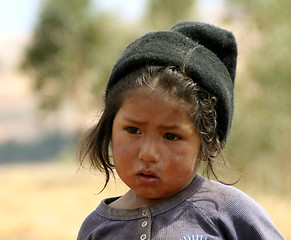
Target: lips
point(147, 177)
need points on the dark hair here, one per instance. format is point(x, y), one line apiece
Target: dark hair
point(173, 82)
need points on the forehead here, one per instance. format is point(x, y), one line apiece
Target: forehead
point(145, 103)
point(154, 90)
point(163, 97)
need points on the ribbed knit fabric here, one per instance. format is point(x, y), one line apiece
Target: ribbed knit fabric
point(204, 210)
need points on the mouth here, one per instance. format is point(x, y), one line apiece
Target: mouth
point(146, 172)
point(147, 177)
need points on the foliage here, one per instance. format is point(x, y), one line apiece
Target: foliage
point(161, 14)
point(60, 51)
point(69, 55)
point(261, 134)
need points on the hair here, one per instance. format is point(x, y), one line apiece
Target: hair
point(174, 83)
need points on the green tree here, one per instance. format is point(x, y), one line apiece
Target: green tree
point(60, 52)
point(161, 14)
point(71, 53)
point(262, 135)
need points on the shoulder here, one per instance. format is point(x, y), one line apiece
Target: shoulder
point(233, 212)
point(230, 199)
point(89, 225)
point(95, 221)
point(224, 199)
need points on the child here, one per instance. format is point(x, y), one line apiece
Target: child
point(168, 107)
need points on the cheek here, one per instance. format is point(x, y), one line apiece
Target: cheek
point(183, 161)
point(121, 148)
point(182, 166)
point(184, 153)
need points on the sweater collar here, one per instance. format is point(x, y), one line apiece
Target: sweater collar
point(130, 214)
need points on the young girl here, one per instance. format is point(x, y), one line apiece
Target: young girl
point(168, 107)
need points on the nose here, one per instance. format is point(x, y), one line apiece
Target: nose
point(149, 151)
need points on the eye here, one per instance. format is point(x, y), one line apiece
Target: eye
point(133, 130)
point(171, 137)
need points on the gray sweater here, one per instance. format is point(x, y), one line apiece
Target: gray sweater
point(205, 210)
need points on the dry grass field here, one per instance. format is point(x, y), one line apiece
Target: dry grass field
point(49, 201)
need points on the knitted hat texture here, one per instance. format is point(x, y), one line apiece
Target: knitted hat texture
point(207, 53)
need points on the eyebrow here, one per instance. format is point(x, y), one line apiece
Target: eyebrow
point(168, 127)
point(133, 121)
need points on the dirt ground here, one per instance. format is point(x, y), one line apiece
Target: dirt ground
point(50, 201)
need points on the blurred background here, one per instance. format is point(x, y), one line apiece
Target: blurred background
point(55, 59)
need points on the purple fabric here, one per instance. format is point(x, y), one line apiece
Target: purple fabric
point(205, 210)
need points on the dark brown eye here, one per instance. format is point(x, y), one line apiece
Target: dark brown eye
point(171, 137)
point(132, 130)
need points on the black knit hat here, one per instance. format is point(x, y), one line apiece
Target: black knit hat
point(208, 54)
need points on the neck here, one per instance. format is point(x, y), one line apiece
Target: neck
point(131, 200)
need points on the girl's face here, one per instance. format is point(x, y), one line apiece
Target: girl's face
point(155, 146)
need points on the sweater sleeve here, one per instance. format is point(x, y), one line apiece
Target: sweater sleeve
point(243, 218)
point(87, 227)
